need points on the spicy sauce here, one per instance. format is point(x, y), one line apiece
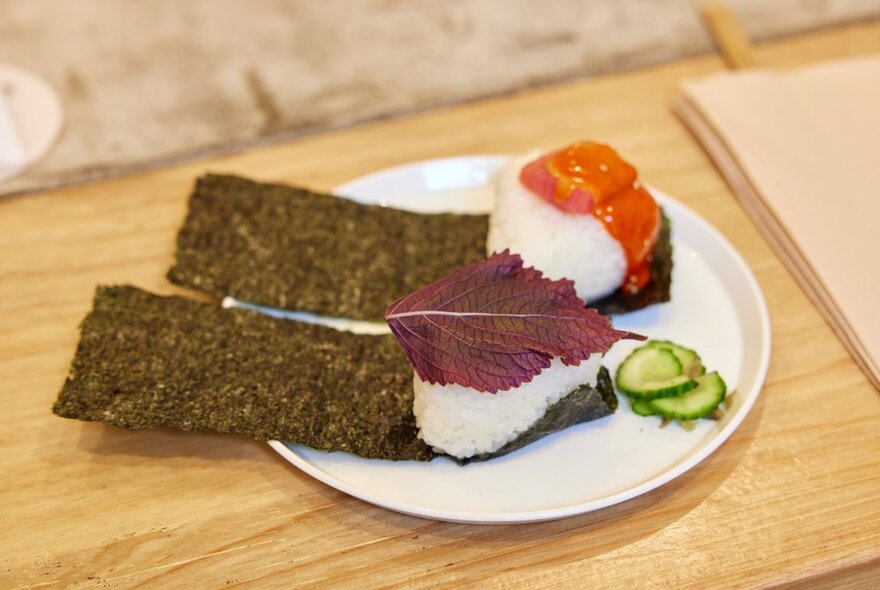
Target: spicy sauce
point(590, 178)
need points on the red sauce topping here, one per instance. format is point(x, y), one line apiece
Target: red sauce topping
point(589, 178)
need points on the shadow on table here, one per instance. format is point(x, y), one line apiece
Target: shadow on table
point(457, 546)
point(101, 440)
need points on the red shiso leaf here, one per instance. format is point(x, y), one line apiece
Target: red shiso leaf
point(494, 325)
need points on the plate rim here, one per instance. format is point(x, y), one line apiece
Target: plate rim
point(677, 470)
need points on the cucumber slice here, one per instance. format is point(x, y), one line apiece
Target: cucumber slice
point(643, 408)
point(691, 364)
point(651, 372)
point(696, 403)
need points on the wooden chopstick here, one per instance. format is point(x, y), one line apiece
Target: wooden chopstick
point(729, 36)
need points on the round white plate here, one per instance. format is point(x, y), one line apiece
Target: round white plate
point(716, 308)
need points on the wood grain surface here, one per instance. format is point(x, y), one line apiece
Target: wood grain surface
point(793, 496)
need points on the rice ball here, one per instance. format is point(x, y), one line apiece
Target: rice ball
point(463, 422)
point(562, 245)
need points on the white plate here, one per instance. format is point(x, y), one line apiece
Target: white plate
point(716, 308)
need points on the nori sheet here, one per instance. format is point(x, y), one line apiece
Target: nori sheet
point(147, 361)
point(657, 291)
point(581, 405)
point(291, 248)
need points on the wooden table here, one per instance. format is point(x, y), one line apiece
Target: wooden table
point(794, 495)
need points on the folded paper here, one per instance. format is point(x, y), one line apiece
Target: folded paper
point(801, 150)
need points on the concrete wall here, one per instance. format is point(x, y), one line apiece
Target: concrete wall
point(151, 82)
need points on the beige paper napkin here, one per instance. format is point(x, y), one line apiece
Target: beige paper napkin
point(801, 150)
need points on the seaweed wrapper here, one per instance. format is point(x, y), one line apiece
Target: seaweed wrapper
point(581, 405)
point(657, 291)
point(146, 361)
point(291, 248)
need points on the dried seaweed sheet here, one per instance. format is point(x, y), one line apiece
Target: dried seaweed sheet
point(581, 405)
point(657, 291)
point(146, 361)
point(287, 247)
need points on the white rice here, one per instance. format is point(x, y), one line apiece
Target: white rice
point(560, 244)
point(463, 422)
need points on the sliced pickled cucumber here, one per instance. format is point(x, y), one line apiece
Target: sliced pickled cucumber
point(696, 403)
point(691, 364)
point(643, 408)
point(651, 372)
